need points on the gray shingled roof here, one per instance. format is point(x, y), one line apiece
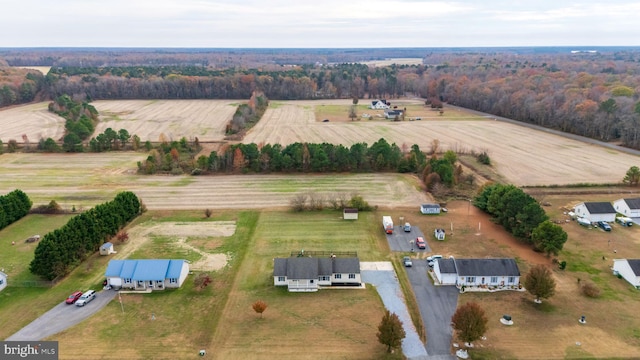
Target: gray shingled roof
point(346, 265)
point(635, 265)
point(600, 208)
point(447, 266)
point(633, 204)
point(487, 267)
point(279, 267)
point(312, 268)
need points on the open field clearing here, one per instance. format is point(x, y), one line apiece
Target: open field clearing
point(522, 155)
point(43, 69)
point(33, 120)
point(391, 61)
point(84, 180)
point(550, 330)
point(342, 323)
point(172, 119)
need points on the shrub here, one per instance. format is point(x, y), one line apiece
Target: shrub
point(483, 158)
point(563, 265)
point(590, 290)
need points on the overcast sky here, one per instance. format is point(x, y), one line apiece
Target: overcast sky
point(319, 23)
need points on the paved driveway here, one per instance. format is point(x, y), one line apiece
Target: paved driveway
point(401, 241)
point(437, 305)
point(61, 317)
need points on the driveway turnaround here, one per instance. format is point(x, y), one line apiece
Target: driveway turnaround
point(61, 317)
point(437, 305)
point(383, 277)
point(401, 241)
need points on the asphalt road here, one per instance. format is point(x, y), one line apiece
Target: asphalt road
point(437, 305)
point(401, 240)
point(61, 317)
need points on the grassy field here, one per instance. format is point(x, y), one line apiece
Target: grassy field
point(329, 324)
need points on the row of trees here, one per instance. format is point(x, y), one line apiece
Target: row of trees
point(248, 114)
point(296, 157)
point(63, 249)
point(13, 207)
point(521, 215)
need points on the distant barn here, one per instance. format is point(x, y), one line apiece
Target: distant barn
point(350, 214)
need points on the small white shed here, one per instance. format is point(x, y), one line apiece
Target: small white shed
point(107, 248)
point(3, 280)
point(350, 214)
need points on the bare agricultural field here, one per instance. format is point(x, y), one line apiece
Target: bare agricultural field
point(84, 180)
point(524, 156)
point(172, 119)
point(391, 61)
point(43, 69)
point(33, 120)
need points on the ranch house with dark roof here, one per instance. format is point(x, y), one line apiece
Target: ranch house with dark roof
point(596, 211)
point(308, 274)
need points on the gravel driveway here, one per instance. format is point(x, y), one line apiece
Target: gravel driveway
point(61, 317)
point(383, 277)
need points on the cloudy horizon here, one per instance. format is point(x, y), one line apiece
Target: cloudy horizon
point(306, 24)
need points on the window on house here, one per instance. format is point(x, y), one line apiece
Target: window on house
point(280, 278)
point(311, 281)
point(1, 281)
point(511, 279)
point(324, 278)
point(483, 280)
point(471, 279)
point(352, 276)
point(494, 279)
point(338, 276)
point(127, 281)
point(173, 280)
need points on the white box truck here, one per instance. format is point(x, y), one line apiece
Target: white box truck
point(624, 221)
point(387, 224)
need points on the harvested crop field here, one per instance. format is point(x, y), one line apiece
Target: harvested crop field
point(154, 120)
point(523, 155)
point(84, 180)
point(33, 120)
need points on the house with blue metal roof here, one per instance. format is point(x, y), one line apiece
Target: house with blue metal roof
point(147, 274)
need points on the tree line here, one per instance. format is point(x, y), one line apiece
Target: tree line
point(590, 95)
point(65, 248)
point(296, 157)
point(247, 115)
point(13, 207)
point(521, 215)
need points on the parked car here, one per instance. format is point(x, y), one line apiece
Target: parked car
point(407, 227)
point(604, 225)
point(74, 297)
point(431, 260)
point(420, 243)
point(86, 297)
point(406, 261)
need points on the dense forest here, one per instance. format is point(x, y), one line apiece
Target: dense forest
point(589, 93)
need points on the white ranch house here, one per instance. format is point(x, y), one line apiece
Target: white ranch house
point(628, 207)
point(146, 275)
point(596, 211)
point(379, 105)
point(496, 274)
point(308, 274)
point(3, 280)
point(629, 269)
